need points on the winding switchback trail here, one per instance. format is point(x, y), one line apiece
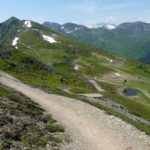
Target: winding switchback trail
point(89, 127)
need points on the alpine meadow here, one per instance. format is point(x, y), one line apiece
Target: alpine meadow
point(67, 85)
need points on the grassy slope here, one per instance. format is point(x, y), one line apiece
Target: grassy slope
point(126, 42)
point(41, 64)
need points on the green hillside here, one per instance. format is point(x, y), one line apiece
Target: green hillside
point(128, 39)
point(43, 58)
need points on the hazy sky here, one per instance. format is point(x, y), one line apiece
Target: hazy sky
point(85, 12)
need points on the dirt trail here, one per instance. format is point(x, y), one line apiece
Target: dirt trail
point(96, 85)
point(89, 127)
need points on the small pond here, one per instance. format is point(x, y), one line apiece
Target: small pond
point(130, 92)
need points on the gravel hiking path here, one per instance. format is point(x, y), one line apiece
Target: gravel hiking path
point(92, 95)
point(89, 128)
point(96, 85)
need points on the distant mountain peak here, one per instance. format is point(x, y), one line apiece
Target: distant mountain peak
point(104, 25)
point(11, 20)
point(27, 24)
point(110, 26)
point(67, 28)
point(130, 39)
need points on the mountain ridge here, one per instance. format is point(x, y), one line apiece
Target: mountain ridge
point(127, 39)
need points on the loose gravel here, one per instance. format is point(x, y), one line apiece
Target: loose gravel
point(89, 128)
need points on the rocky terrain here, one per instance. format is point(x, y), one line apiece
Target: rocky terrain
point(25, 125)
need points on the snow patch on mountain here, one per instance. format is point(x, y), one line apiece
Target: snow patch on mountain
point(95, 26)
point(49, 39)
point(68, 31)
point(76, 67)
point(103, 25)
point(27, 24)
point(110, 26)
point(73, 30)
point(62, 27)
point(109, 60)
point(77, 28)
point(15, 42)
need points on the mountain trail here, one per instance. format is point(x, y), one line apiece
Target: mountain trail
point(96, 85)
point(88, 127)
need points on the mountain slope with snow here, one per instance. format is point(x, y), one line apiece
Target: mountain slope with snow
point(127, 39)
point(103, 25)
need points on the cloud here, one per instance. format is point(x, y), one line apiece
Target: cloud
point(87, 7)
point(111, 19)
point(115, 6)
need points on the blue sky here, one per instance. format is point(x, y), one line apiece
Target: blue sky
point(85, 12)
